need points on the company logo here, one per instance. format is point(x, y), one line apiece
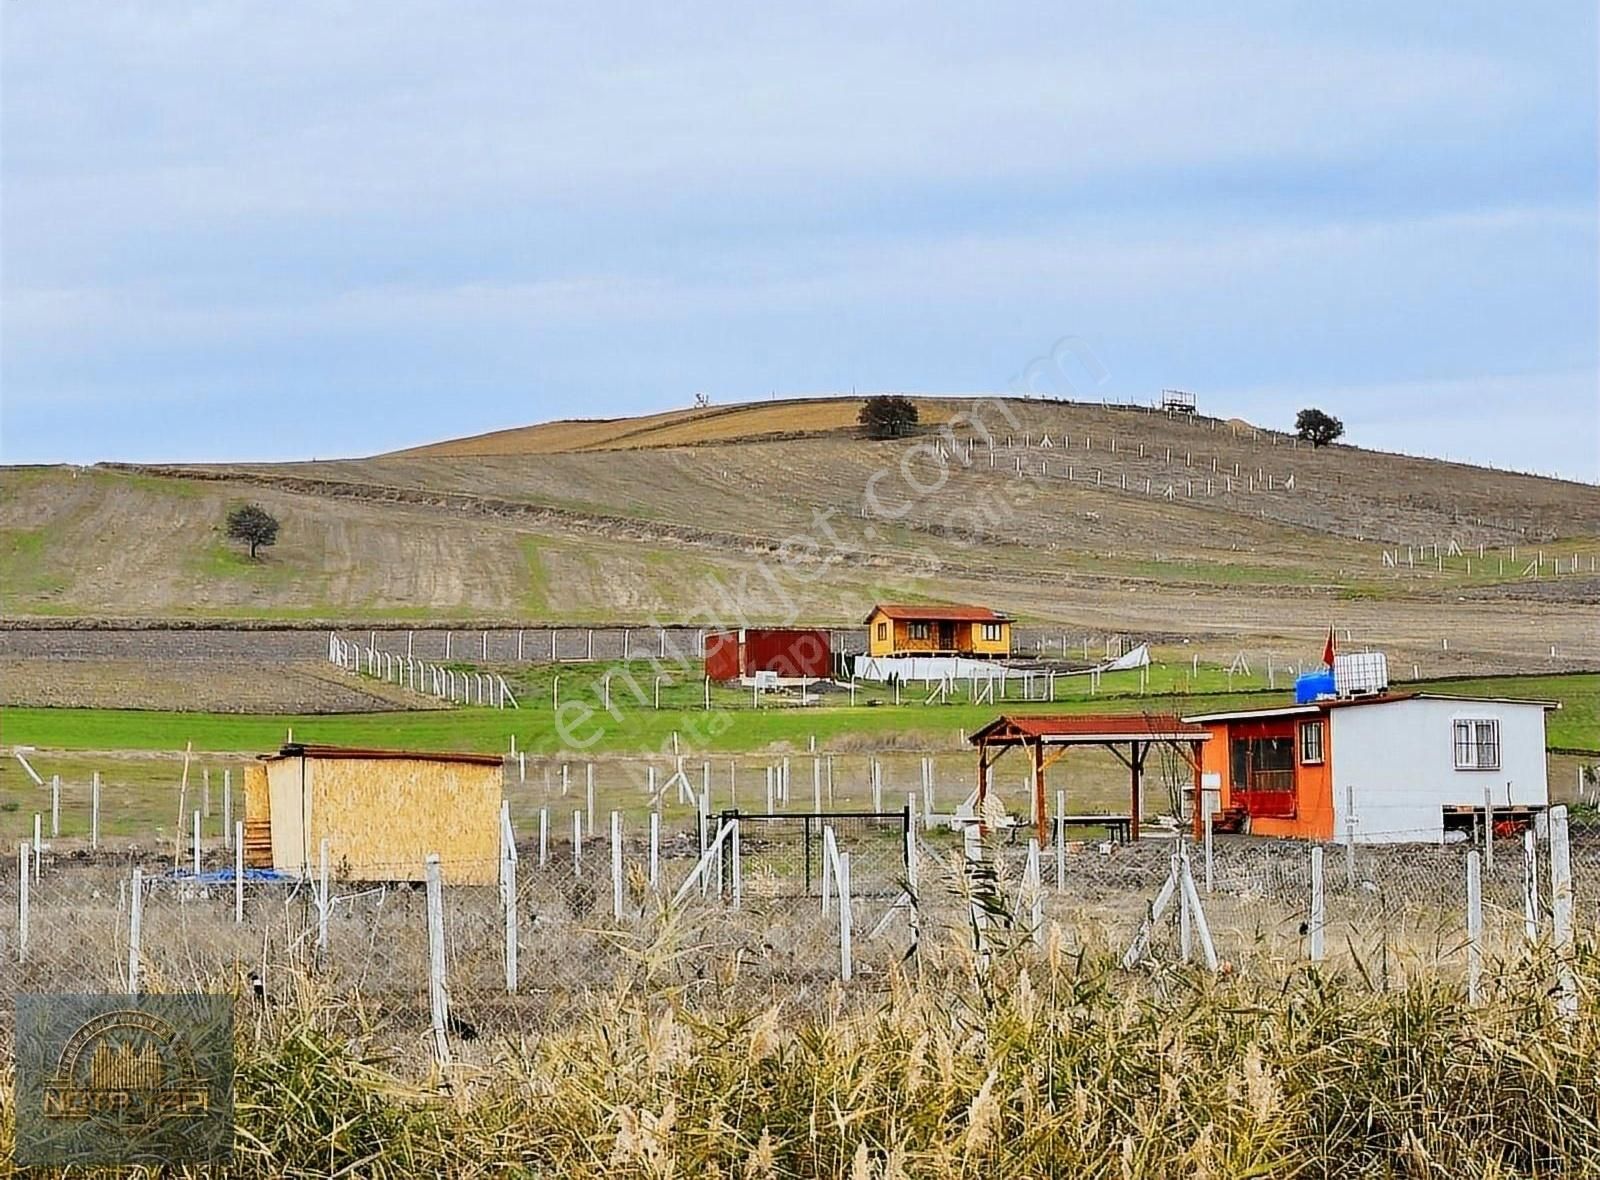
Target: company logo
point(124, 1079)
point(127, 1065)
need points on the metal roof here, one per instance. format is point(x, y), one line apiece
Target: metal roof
point(1389, 698)
point(938, 610)
point(1090, 729)
point(303, 750)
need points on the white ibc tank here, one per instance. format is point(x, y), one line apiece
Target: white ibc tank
point(1360, 674)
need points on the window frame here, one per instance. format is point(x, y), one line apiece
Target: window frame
point(1318, 727)
point(1468, 746)
point(883, 630)
point(919, 629)
point(992, 633)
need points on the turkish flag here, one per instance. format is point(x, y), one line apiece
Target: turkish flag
point(1327, 652)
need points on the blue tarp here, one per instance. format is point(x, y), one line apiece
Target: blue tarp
point(225, 876)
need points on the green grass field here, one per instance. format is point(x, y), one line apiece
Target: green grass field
point(584, 727)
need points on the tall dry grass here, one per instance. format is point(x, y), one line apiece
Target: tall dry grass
point(1053, 1066)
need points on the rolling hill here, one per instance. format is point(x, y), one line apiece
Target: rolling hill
point(1107, 516)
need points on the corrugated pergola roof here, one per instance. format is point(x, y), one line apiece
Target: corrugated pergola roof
point(1089, 729)
point(302, 750)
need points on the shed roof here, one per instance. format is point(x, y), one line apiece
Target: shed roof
point(938, 610)
point(1090, 729)
point(304, 750)
point(1313, 707)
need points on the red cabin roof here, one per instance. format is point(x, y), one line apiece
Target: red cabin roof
point(1089, 728)
point(953, 612)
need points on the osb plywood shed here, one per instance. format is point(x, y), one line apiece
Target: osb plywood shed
point(384, 811)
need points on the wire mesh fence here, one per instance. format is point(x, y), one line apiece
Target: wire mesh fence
point(789, 904)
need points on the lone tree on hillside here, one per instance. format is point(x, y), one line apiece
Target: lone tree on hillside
point(888, 415)
point(1317, 428)
point(253, 525)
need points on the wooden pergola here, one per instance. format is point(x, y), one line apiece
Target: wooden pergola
point(1048, 738)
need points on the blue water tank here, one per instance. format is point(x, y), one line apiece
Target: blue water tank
point(1313, 685)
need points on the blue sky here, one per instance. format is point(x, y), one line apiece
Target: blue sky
point(292, 230)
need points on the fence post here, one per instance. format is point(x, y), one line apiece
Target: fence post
point(238, 873)
point(508, 886)
point(1474, 925)
point(227, 808)
point(322, 896)
point(438, 1003)
point(1031, 882)
point(588, 797)
point(22, 900)
point(544, 836)
point(1561, 911)
point(616, 865)
point(1488, 829)
point(844, 917)
point(655, 849)
point(38, 844)
point(738, 867)
point(55, 807)
point(1318, 912)
point(195, 842)
point(1350, 835)
point(1530, 885)
point(135, 920)
point(1209, 836)
point(577, 843)
point(1061, 841)
point(94, 810)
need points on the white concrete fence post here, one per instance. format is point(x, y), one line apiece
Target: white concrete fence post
point(1561, 912)
point(1318, 918)
point(1474, 925)
point(135, 921)
point(438, 1000)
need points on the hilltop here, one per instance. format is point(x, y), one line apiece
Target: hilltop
point(1107, 516)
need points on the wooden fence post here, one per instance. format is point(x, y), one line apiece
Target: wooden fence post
point(508, 888)
point(577, 843)
point(655, 850)
point(55, 807)
point(544, 836)
point(94, 810)
point(438, 1001)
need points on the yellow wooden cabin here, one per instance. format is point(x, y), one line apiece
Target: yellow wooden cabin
point(937, 630)
point(381, 811)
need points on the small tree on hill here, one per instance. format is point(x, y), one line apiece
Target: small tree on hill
point(888, 415)
point(1317, 428)
point(253, 525)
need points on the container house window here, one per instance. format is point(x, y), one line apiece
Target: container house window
point(1477, 744)
point(991, 632)
point(919, 630)
point(1311, 743)
point(883, 630)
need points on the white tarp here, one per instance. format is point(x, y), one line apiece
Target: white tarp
point(928, 669)
point(1139, 657)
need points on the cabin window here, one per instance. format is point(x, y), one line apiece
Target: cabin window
point(883, 630)
point(991, 632)
point(1477, 744)
point(919, 630)
point(1263, 775)
point(1311, 743)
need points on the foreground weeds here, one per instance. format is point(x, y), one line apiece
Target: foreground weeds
point(1056, 1068)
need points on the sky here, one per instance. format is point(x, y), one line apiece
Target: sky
point(294, 230)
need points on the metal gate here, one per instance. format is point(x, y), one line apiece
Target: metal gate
point(781, 853)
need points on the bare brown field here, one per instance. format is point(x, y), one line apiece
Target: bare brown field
point(626, 521)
